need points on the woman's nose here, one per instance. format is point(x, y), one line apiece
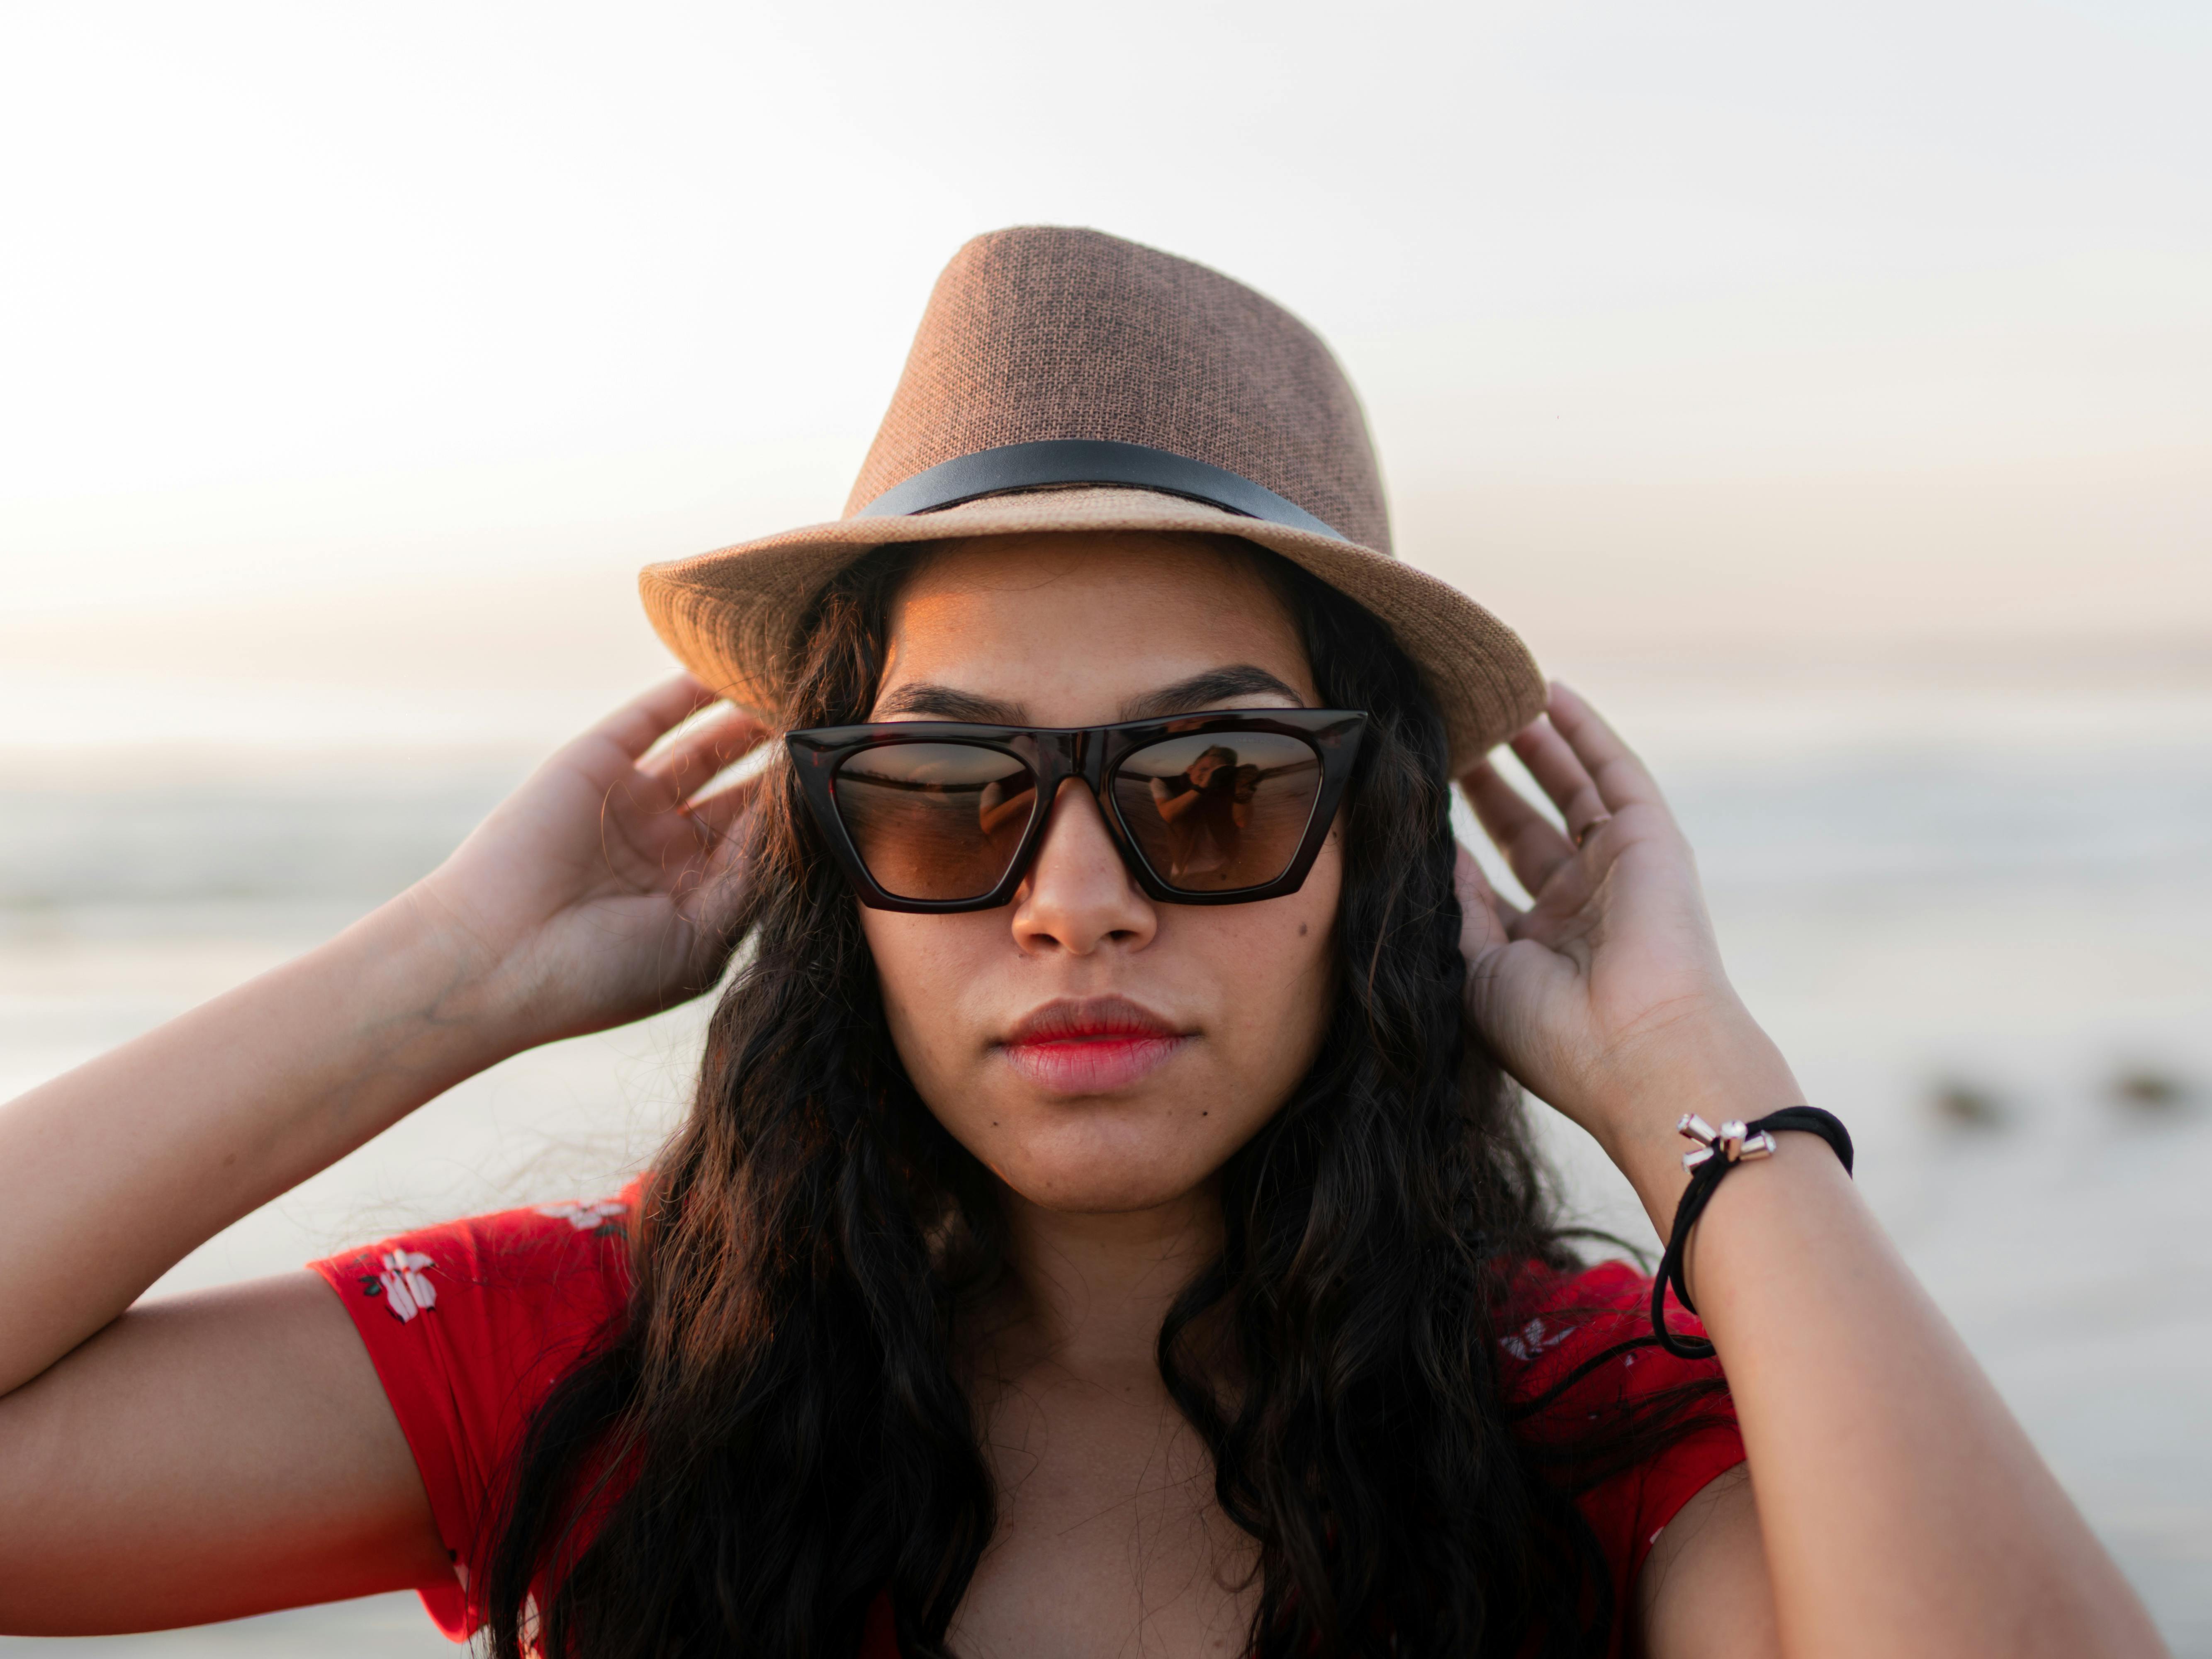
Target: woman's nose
point(1078, 894)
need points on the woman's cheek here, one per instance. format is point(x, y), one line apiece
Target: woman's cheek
point(918, 974)
point(1281, 982)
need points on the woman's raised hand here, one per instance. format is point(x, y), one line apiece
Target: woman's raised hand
point(603, 889)
point(1606, 998)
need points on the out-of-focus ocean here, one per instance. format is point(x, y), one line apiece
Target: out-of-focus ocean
point(1978, 914)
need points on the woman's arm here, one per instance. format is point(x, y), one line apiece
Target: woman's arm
point(597, 894)
point(204, 1457)
point(1174, 803)
point(1902, 1511)
point(112, 1173)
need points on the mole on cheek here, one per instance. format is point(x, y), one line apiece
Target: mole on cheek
point(1302, 930)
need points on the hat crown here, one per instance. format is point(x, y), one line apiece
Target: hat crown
point(1043, 332)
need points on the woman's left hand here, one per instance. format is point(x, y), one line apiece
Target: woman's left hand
point(1900, 1511)
point(1606, 998)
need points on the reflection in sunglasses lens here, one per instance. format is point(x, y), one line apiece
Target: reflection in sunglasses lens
point(934, 820)
point(1219, 811)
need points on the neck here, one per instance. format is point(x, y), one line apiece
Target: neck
point(1092, 1290)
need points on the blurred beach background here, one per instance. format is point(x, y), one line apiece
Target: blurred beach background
point(1827, 395)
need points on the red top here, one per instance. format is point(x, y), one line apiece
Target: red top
point(470, 1323)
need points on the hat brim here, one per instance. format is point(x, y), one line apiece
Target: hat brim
point(731, 615)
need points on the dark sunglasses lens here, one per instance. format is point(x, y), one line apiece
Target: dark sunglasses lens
point(935, 820)
point(1218, 810)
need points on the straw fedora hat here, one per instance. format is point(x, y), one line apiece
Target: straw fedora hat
point(1064, 380)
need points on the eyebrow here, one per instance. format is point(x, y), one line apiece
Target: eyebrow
point(1215, 685)
point(942, 703)
point(1184, 697)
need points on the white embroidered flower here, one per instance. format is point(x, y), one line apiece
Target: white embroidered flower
point(584, 1217)
point(406, 1292)
point(1532, 1338)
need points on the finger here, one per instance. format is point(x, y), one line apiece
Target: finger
point(644, 721)
point(1531, 843)
point(717, 812)
point(691, 762)
point(1622, 778)
point(1560, 773)
point(1475, 890)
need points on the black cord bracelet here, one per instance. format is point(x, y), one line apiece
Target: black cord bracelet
point(1718, 1151)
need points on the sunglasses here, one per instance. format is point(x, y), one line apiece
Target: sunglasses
point(938, 817)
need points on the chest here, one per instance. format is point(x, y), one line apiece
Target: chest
point(1110, 1543)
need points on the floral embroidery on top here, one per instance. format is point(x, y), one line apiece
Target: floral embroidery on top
point(405, 1292)
point(598, 1218)
point(1533, 1338)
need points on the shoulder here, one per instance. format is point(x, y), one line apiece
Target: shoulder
point(470, 1325)
point(1631, 1431)
point(564, 1263)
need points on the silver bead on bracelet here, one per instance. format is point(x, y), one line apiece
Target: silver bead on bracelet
point(1735, 1141)
point(1732, 1140)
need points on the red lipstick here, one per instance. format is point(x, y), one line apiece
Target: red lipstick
point(1090, 1045)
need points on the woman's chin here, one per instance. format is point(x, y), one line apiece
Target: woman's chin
point(1107, 1161)
point(1081, 1192)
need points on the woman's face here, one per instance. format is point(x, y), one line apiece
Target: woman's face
point(1097, 1051)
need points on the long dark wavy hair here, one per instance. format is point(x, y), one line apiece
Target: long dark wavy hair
point(776, 1432)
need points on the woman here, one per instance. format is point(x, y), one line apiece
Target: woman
point(1203, 808)
point(1065, 1255)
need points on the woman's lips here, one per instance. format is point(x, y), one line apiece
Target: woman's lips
point(1091, 1047)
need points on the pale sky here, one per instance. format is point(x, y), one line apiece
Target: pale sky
point(406, 332)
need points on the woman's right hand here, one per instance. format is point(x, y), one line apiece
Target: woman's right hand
point(137, 1445)
point(603, 890)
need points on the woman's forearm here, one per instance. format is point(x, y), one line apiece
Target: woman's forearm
point(1903, 1510)
point(112, 1173)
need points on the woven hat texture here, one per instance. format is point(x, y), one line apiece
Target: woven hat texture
point(1038, 334)
point(1042, 333)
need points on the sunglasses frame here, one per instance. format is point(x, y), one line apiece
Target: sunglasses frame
point(1056, 754)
